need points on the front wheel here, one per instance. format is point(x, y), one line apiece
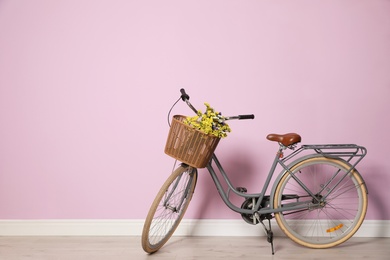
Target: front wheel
point(333, 214)
point(168, 208)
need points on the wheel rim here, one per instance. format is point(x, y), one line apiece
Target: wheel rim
point(168, 208)
point(333, 220)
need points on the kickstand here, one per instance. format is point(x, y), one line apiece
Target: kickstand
point(268, 231)
point(270, 236)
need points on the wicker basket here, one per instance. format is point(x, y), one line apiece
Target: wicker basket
point(189, 145)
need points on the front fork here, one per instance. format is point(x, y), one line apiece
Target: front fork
point(176, 208)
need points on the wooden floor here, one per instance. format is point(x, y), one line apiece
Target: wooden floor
point(129, 248)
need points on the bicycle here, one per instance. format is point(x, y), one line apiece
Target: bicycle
point(319, 199)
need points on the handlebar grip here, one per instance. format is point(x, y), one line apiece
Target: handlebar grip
point(246, 117)
point(184, 95)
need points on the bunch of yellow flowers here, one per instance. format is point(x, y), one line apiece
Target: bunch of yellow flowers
point(209, 122)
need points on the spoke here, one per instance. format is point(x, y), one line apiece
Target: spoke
point(337, 214)
point(170, 208)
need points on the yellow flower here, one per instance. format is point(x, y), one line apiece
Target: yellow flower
point(209, 122)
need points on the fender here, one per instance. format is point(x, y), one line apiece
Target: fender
point(301, 159)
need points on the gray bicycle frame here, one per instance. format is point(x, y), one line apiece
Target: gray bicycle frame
point(334, 151)
point(350, 154)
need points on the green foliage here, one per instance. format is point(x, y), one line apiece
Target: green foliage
point(209, 122)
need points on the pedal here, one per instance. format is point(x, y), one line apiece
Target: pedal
point(241, 189)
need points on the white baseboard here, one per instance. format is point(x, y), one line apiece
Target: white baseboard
point(201, 227)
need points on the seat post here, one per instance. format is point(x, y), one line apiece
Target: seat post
point(280, 150)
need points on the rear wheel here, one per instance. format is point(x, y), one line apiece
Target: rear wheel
point(335, 212)
point(168, 208)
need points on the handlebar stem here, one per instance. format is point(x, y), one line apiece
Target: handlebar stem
point(191, 106)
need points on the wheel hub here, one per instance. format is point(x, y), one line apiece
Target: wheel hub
point(318, 202)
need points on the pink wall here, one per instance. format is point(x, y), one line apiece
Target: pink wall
point(85, 87)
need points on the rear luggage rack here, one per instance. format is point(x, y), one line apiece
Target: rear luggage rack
point(340, 150)
point(351, 153)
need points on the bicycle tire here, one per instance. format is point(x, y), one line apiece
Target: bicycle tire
point(329, 223)
point(168, 208)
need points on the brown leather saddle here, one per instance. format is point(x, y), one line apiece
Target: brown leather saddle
point(286, 139)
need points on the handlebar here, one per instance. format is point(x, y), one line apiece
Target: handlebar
point(185, 97)
point(241, 117)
